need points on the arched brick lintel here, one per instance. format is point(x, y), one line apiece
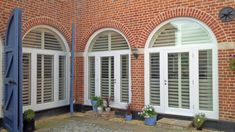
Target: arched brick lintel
point(209, 20)
point(50, 22)
point(107, 24)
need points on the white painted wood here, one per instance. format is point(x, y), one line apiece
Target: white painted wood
point(56, 77)
point(193, 50)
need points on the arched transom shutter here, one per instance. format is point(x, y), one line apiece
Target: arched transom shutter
point(108, 41)
point(181, 32)
point(43, 39)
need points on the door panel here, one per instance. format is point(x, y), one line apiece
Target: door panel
point(13, 74)
point(178, 80)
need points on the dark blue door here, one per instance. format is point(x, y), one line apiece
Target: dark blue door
point(13, 74)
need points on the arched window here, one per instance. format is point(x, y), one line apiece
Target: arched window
point(108, 62)
point(182, 72)
point(45, 68)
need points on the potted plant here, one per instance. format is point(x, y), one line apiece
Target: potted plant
point(199, 120)
point(107, 102)
point(149, 114)
point(94, 103)
point(29, 121)
point(128, 116)
point(99, 105)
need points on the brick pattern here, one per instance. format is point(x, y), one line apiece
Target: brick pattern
point(136, 20)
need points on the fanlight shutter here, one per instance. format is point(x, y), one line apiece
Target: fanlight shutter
point(43, 39)
point(107, 77)
point(178, 80)
point(108, 41)
point(45, 79)
point(91, 77)
point(205, 80)
point(62, 77)
point(125, 78)
point(181, 32)
point(154, 79)
point(26, 79)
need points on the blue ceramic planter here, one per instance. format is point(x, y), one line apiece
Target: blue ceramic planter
point(94, 106)
point(150, 121)
point(128, 117)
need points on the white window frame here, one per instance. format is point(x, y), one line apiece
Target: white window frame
point(117, 54)
point(194, 49)
point(33, 53)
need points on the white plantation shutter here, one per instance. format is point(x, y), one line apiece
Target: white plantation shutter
point(91, 77)
point(107, 77)
point(45, 79)
point(125, 78)
point(43, 39)
point(181, 32)
point(62, 77)
point(205, 80)
point(26, 95)
point(178, 80)
point(118, 42)
point(107, 41)
point(154, 79)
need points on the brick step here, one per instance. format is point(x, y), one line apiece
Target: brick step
point(177, 123)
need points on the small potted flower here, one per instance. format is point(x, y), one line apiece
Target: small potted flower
point(107, 104)
point(149, 114)
point(29, 121)
point(94, 103)
point(99, 105)
point(199, 120)
point(128, 116)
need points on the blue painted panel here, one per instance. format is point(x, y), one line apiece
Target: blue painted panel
point(72, 71)
point(13, 74)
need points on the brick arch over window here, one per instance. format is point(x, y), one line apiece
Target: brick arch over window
point(185, 12)
point(107, 24)
point(50, 22)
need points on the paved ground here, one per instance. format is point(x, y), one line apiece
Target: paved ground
point(90, 123)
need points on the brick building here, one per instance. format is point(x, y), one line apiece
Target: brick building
point(173, 55)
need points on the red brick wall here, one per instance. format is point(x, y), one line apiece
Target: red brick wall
point(136, 19)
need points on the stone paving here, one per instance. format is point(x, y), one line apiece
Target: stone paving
point(90, 123)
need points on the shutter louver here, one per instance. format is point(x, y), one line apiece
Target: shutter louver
point(62, 77)
point(43, 39)
point(118, 42)
point(101, 43)
point(205, 80)
point(107, 77)
point(181, 32)
point(33, 40)
point(26, 95)
point(154, 79)
point(45, 81)
point(91, 76)
point(178, 80)
point(125, 78)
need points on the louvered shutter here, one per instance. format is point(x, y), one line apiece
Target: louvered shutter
point(107, 77)
point(26, 95)
point(101, 43)
point(62, 77)
point(205, 80)
point(178, 80)
point(181, 32)
point(91, 76)
point(45, 79)
point(43, 39)
point(125, 78)
point(118, 42)
point(154, 79)
point(33, 39)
